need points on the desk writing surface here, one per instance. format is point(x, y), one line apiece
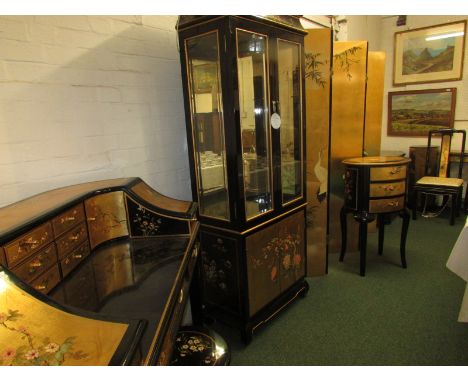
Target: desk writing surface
point(128, 278)
point(35, 333)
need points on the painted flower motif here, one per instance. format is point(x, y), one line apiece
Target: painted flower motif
point(286, 262)
point(23, 329)
point(32, 354)
point(8, 354)
point(274, 271)
point(3, 318)
point(297, 260)
point(51, 348)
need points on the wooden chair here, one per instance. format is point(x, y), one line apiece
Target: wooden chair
point(442, 184)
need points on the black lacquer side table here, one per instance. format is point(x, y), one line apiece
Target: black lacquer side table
point(375, 187)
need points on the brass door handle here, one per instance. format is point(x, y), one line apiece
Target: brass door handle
point(389, 188)
point(393, 204)
point(36, 264)
point(41, 286)
point(67, 219)
point(395, 171)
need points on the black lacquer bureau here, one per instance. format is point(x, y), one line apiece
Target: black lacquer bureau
point(105, 268)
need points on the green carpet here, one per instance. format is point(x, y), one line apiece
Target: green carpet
point(392, 316)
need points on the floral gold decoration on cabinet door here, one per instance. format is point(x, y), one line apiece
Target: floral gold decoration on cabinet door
point(275, 260)
point(220, 271)
point(26, 338)
point(107, 218)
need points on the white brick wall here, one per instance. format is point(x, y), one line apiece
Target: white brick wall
point(84, 98)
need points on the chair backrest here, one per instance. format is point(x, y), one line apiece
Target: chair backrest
point(446, 136)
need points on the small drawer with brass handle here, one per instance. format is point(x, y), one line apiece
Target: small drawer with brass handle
point(387, 189)
point(37, 264)
point(26, 245)
point(74, 258)
point(386, 205)
point(45, 282)
point(71, 240)
point(68, 219)
point(387, 173)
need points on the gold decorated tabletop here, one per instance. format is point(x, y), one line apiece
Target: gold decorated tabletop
point(377, 161)
point(35, 333)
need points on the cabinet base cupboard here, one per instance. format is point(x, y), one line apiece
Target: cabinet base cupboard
point(243, 82)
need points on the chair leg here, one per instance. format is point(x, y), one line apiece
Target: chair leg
point(465, 202)
point(381, 223)
point(415, 203)
point(454, 207)
point(404, 233)
point(343, 232)
point(459, 199)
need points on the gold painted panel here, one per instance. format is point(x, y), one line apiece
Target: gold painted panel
point(388, 173)
point(291, 246)
point(71, 240)
point(374, 102)
point(347, 131)
point(318, 47)
point(387, 189)
point(107, 217)
point(36, 264)
point(275, 259)
point(68, 219)
point(262, 267)
point(27, 244)
point(34, 333)
point(74, 258)
point(444, 155)
point(386, 205)
point(48, 280)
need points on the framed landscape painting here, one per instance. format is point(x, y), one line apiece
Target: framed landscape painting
point(414, 113)
point(432, 54)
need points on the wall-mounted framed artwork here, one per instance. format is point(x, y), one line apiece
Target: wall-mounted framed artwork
point(430, 54)
point(413, 113)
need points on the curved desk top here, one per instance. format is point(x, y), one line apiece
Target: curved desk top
point(18, 217)
point(120, 297)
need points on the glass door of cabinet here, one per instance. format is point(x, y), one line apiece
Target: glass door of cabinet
point(252, 69)
point(290, 110)
point(203, 72)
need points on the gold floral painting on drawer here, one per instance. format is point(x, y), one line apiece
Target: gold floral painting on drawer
point(107, 217)
point(34, 333)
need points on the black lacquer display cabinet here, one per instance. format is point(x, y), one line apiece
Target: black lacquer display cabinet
point(243, 83)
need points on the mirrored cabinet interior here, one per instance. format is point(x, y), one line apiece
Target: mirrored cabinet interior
point(243, 82)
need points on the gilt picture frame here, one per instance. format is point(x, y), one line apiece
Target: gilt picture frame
point(429, 54)
point(413, 113)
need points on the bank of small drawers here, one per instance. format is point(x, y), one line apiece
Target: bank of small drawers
point(389, 173)
point(386, 205)
point(387, 189)
point(46, 254)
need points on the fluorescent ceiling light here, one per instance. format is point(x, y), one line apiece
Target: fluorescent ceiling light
point(447, 35)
